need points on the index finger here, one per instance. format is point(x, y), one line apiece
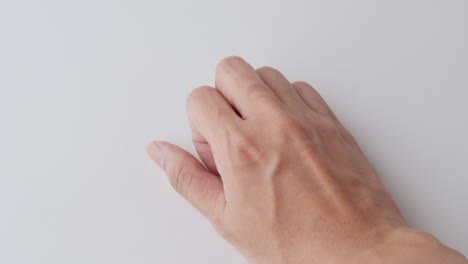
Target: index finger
point(211, 117)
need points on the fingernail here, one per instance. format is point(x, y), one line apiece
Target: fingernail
point(156, 152)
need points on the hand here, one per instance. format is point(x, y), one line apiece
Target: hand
point(283, 180)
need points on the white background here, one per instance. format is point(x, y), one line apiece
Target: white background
point(84, 85)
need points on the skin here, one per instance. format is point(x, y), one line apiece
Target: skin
point(283, 181)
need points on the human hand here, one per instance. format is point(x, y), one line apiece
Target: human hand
point(283, 180)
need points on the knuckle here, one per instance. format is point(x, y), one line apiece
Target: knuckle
point(218, 223)
point(228, 235)
point(217, 219)
point(197, 95)
point(223, 231)
point(225, 228)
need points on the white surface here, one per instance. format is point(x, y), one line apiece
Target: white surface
point(85, 84)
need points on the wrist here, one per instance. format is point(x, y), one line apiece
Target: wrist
point(405, 245)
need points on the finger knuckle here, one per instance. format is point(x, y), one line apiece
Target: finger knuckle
point(219, 224)
point(224, 231)
point(197, 95)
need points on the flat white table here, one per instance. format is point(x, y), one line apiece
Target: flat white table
point(85, 84)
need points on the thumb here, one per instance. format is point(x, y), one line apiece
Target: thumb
point(189, 177)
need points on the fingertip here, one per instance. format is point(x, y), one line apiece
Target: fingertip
point(155, 151)
point(151, 146)
point(231, 60)
point(229, 65)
